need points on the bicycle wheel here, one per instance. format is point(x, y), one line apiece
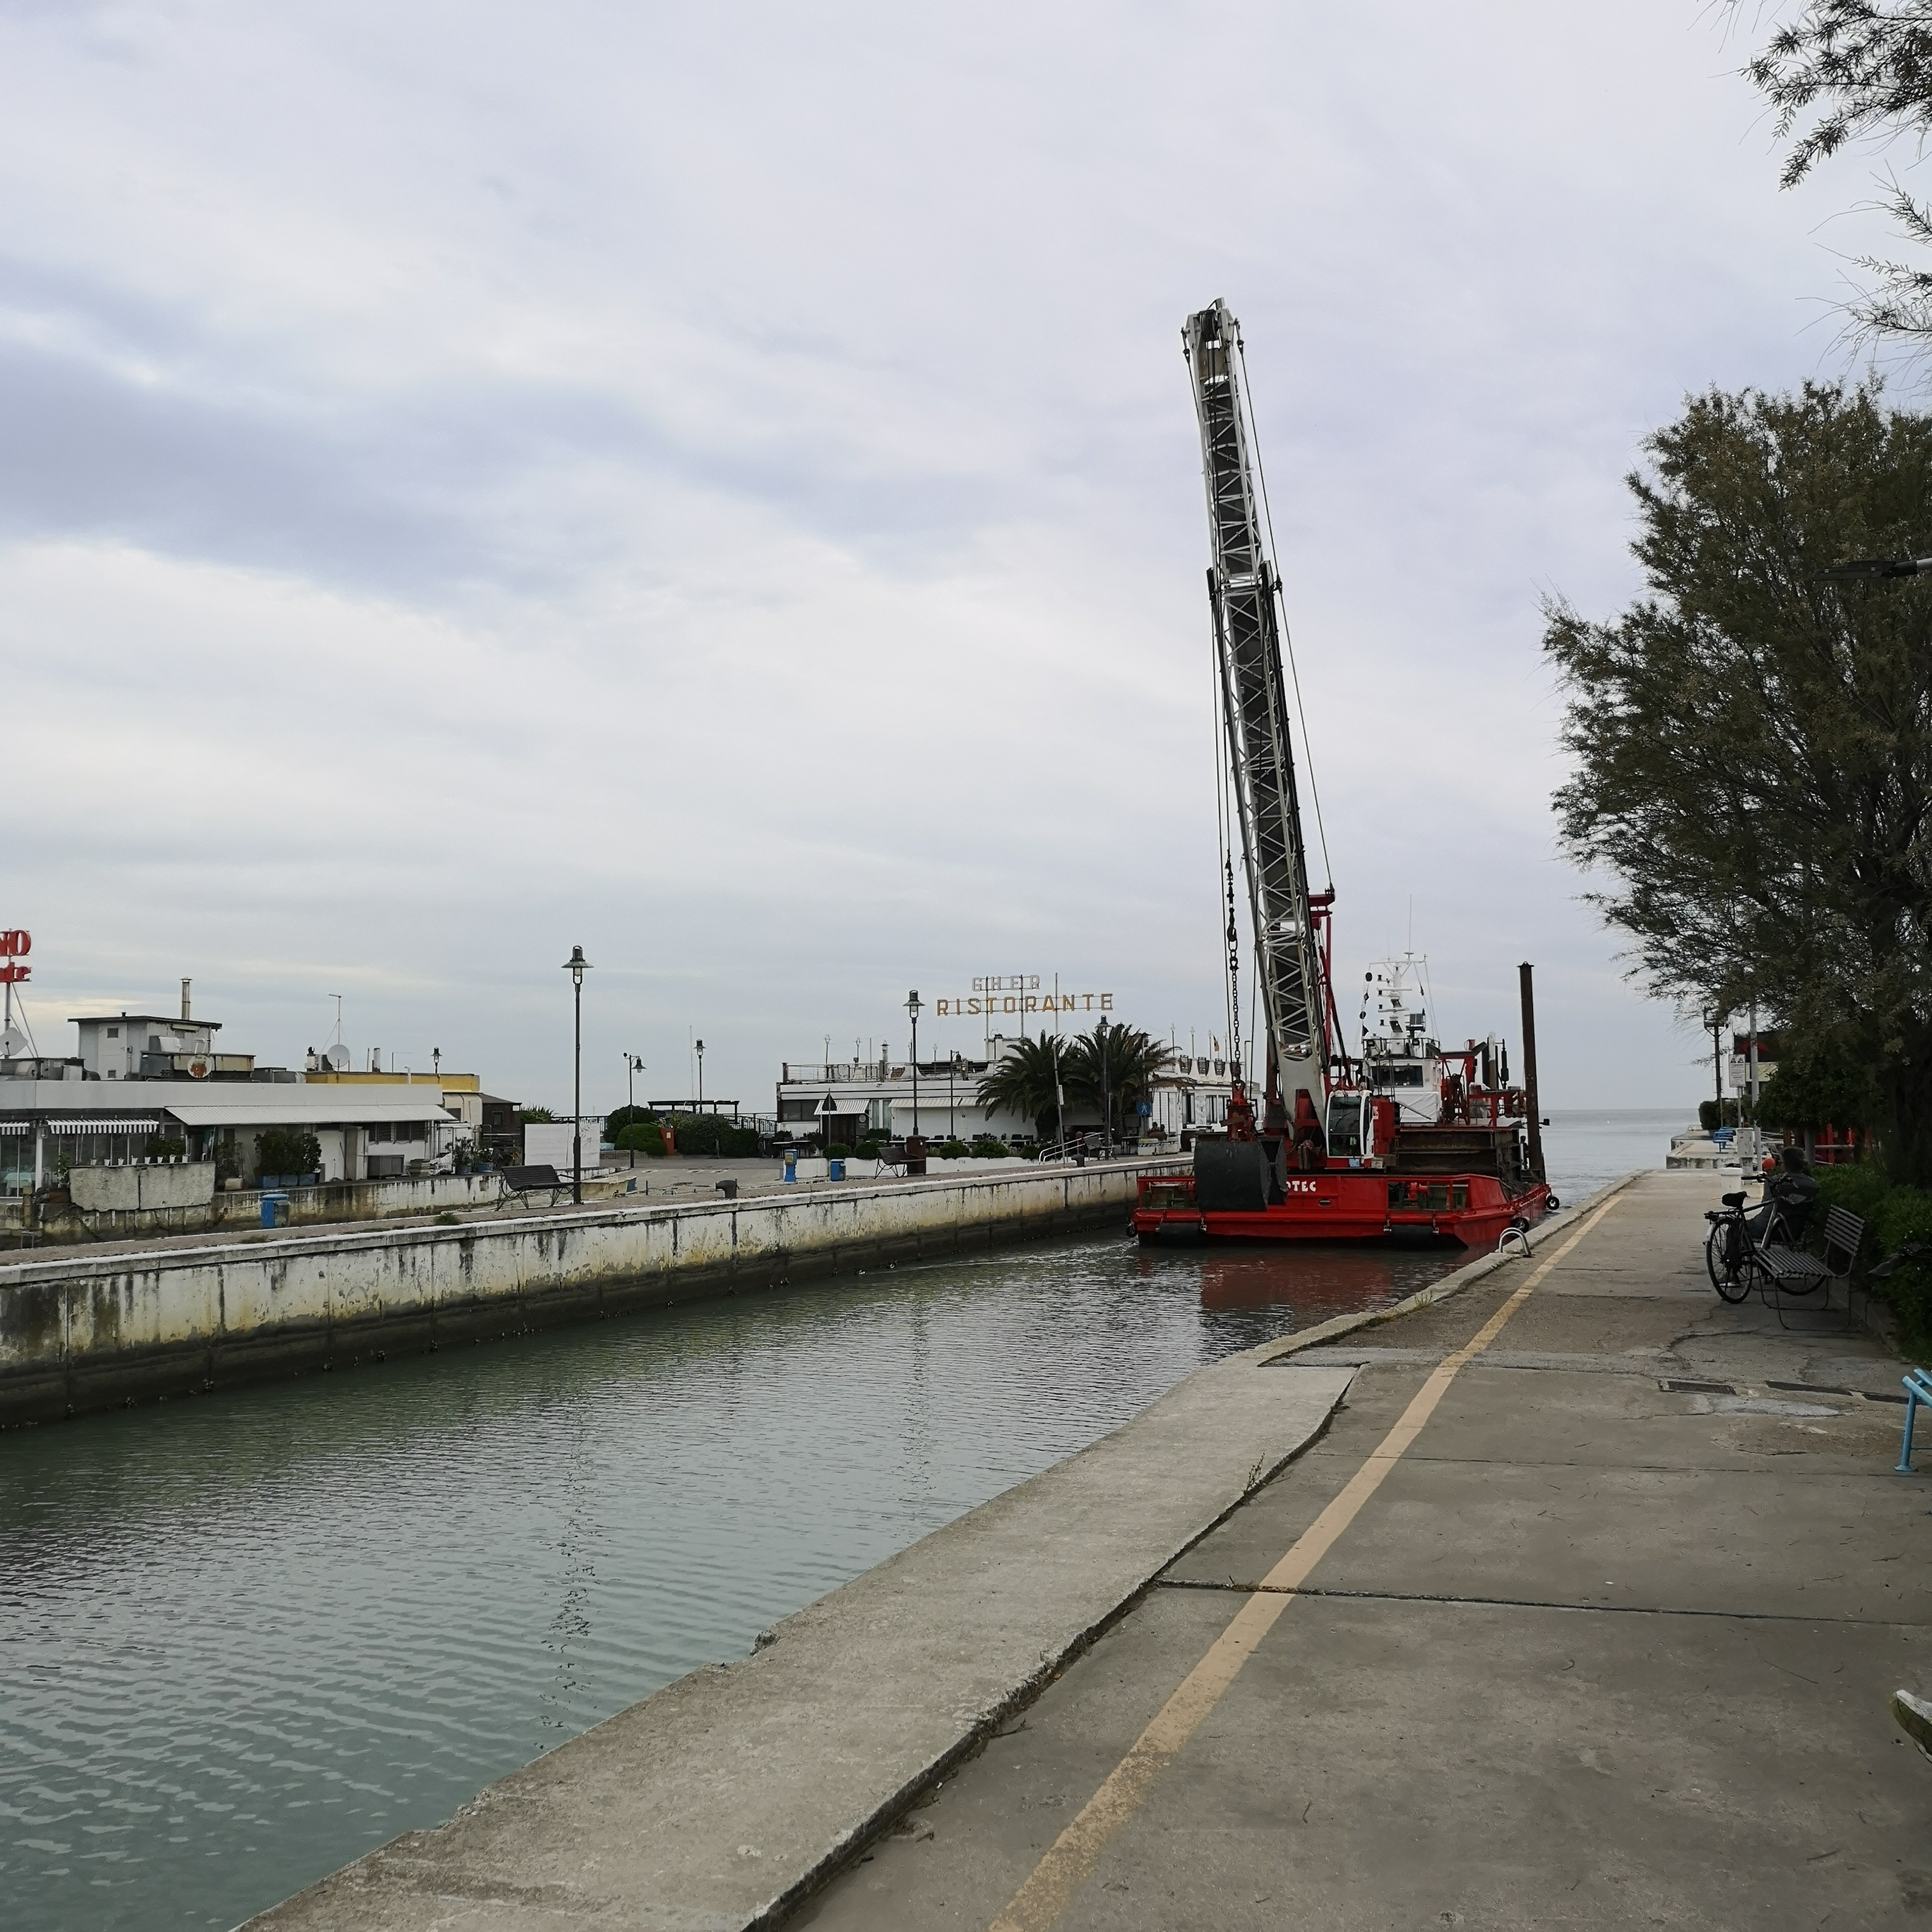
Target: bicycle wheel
point(1728, 1262)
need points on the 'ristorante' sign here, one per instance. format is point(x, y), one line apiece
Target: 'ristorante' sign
point(1019, 993)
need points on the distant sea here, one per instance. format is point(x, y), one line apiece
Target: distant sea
point(1584, 1148)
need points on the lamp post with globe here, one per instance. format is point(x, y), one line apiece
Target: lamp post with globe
point(577, 966)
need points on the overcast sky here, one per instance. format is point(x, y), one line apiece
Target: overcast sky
point(718, 485)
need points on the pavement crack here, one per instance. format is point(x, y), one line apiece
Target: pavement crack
point(1453, 1599)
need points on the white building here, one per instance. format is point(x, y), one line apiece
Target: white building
point(46, 1125)
point(846, 1100)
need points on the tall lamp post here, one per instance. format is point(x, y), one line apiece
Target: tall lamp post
point(912, 1013)
point(633, 1066)
point(577, 966)
point(701, 1076)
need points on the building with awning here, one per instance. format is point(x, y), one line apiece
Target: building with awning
point(364, 1135)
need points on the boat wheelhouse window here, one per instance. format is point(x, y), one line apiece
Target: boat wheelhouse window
point(1401, 1074)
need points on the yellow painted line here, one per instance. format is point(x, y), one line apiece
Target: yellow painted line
point(1070, 1860)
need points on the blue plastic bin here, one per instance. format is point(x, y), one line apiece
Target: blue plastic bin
point(274, 1210)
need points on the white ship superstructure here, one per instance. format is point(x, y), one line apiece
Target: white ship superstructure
point(1400, 1057)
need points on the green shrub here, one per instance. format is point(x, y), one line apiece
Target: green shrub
point(1892, 1215)
point(1710, 1117)
point(160, 1148)
point(838, 1150)
point(647, 1137)
point(526, 1116)
point(287, 1150)
point(627, 1117)
point(986, 1147)
point(954, 1150)
point(713, 1134)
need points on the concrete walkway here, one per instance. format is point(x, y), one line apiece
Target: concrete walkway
point(1603, 1638)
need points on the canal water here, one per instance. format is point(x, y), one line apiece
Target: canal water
point(244, 1639)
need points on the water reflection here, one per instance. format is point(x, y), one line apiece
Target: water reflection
point(1314, 1282)
point(249, 1636)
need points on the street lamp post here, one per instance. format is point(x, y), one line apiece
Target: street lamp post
point(577, 966)
point(912, 1013)
point(701, 1076)
point(633, 1066)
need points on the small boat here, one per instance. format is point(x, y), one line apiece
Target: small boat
point(1409, 1139)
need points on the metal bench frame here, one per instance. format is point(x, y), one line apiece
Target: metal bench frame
point(1844, 1235)
point(519, 1183)
point(1918, 1389)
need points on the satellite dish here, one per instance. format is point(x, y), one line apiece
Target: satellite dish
point(197, 1069)
point(338, 1057)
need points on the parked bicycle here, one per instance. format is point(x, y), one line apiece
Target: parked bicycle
point(1732, 1249)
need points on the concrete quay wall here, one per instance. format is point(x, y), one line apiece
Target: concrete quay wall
point(80, 1331)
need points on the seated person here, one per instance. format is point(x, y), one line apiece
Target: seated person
point(1788, 1194)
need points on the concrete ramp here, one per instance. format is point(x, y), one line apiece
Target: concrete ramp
point(727, 1796)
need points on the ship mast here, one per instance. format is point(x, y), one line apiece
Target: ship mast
point(1242, 586)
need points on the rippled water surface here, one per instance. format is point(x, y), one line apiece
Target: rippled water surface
point(245, 1638)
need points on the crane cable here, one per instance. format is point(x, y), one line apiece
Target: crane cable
point(1224, 852)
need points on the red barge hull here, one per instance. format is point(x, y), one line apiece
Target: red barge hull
point(1343, 1204)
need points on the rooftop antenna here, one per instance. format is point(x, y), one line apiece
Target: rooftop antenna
point(338, 998)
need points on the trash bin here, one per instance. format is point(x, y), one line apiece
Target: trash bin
point(790, 1165)
point(834, 1170)
point(274, 1210)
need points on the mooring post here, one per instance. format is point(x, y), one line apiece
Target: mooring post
point(1529, 1092)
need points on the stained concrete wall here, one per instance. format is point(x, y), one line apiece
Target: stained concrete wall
point(119, 1219)
point(134, 1188)
point(81, 1331)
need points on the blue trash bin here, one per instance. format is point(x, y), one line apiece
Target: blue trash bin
point(274, 1210)
point(834, 1170)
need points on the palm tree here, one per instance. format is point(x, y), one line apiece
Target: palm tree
point(1114, 1067)
point(1027, 1082)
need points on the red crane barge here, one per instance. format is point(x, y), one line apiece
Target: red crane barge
point(1410, 1140)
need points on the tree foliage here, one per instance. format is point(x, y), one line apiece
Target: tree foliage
point(1110, 1069)
point(1025, 1082)
point(1866, 67)
point(1753, 742)
point(287, 1150)
point(1825, 1085)
point(1844, 69)
point(1113, 1068)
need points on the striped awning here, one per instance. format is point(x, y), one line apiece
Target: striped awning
point(105, 1124)
point(17, 1127)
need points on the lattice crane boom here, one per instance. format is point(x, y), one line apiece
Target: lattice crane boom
point(1242, 585)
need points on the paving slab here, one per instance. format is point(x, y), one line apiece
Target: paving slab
point(712, 1803)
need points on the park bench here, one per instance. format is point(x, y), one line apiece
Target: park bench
point(1789, 1273)
point(520, 1183)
